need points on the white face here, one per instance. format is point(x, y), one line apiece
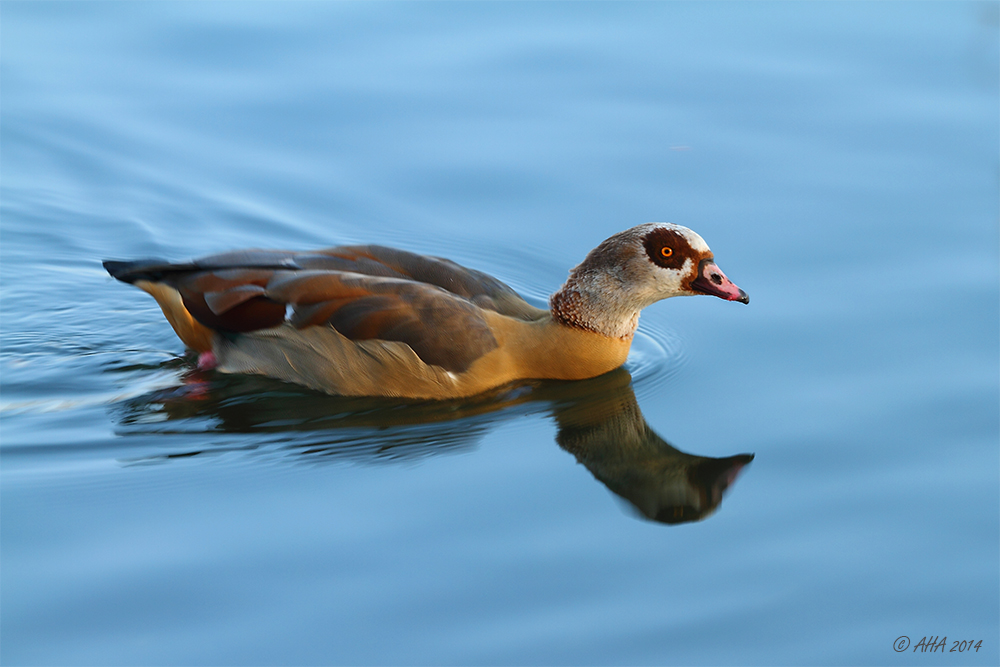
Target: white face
point(679, 262)
point(665, 260)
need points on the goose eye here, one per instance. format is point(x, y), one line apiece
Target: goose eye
point(666, 251)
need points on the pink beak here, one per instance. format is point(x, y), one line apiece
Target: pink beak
point(711, 280)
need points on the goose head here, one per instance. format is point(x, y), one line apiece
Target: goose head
point(634, 269)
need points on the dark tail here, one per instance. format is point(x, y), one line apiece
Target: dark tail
point(154, 270)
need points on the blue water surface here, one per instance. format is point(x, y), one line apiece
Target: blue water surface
point(840, 158)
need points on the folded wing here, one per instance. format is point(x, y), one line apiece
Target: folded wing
point(364, 292)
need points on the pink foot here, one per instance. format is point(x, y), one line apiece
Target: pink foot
point(196, 390)
point(207, 361)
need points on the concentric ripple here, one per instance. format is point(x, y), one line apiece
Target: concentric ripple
point(657, 355)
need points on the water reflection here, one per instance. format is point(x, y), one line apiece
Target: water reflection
point(607, 433)
point(599, 422)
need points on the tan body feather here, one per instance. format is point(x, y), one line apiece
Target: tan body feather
point(321, 358)
point(195, 335)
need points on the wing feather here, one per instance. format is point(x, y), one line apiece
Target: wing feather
point(364, 292)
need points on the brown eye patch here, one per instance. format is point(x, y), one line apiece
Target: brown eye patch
point(667, 248)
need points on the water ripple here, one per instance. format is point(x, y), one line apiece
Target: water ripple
point(657, 355)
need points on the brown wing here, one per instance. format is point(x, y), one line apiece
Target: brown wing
point(480, 288)
point(241, 292)
point(442, 328)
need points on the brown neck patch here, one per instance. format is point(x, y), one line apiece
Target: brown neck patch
point(566, 307)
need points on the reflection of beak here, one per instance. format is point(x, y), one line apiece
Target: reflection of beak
point(711, 280)
point(709, 478)
point(716, 475)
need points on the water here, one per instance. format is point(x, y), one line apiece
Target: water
point(842, 161)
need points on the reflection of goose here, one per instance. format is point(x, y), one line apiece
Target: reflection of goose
point(607, 433)
point(599, 422)
point(374, 321)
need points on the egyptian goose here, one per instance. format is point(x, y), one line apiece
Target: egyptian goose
point(375, 321)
